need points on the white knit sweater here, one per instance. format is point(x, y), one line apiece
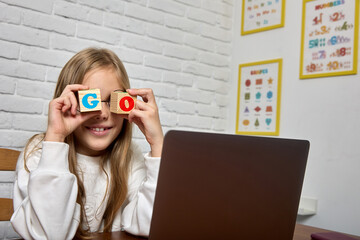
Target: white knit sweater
point(45, 199)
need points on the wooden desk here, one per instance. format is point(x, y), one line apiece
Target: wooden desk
point(302, 232)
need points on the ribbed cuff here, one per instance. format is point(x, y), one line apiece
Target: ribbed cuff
point(54, 156)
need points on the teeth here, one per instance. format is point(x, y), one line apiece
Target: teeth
point(98, 129)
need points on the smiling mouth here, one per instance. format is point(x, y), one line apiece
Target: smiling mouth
point(100, 130)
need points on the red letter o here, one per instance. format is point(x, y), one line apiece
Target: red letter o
point(123, 106)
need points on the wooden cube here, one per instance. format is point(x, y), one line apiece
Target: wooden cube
point(121, 102)
point(89, 100)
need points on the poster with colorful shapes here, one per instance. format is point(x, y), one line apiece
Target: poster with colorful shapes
point(262, 15)
point(258, 99)
point(329, 44)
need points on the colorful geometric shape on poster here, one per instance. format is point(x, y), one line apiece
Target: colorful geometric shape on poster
point(257, 109)
point(248, 83)
point(270, 81)
point(246, 110)
point(269, 109)
point(247, 96)
point(268, 121)
point(269, 94)
point(257, 123)
point(259, 81)
point(246, 122)
point(258, 95)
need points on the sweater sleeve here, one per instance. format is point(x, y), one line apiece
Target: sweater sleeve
point(137, 210)
point(45, 198)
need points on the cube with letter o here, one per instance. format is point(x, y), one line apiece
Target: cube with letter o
point(89, 100)
point(121, 102)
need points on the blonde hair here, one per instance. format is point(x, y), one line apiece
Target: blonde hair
point(119, 152)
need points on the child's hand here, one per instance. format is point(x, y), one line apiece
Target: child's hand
point(146, 116)
point(63, 117)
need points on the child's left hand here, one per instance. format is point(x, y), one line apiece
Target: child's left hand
point(146, 116)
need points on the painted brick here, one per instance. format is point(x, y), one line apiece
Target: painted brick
point(210, 111)
point(143, 13)
point(196, 122)
point(140, 72)
point(222, 74)
point(219, 125)
point(7, 177)
point(38, 122)
point(24, 35)
point(111, 5)
point(141, 43)
point(7, 84)
point(180, 52)
point(35, 89)
point(197, 69)
point(97, 33)
point(70, 10)
point(216, 33)
point(224, 49)
point(168, 119)
point(20, 104)
point(9, 14)
point(218, 7)
point(162, 33)
point(6, 120)
point(177, 106)
point(45, 57)
point(194, 95)
point(22, 70)
point(199, 42)
point(211, 85)
point(168, 6)
point(161, 90)
point(124, 23)
point(9, 50)
point(14, 138)
point(224, 22)
point(38, 5)
point(182, 24)
point(50, 23)
point(221, 100)
point(61, 42)
point(95, 16)
point(163, 62)
point(179, 79)
point(52, 74)
point(130, 56)
point(214, 59)
point(201, 16)
point(194, 3)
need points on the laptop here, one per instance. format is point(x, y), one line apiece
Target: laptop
point(219, 186)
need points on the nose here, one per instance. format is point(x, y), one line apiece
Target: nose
point(104, 112)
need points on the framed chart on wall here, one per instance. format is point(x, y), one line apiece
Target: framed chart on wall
point(329, 38)
point(258, 99)
point(262, 15)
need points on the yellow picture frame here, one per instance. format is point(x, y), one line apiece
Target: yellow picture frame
point(262, 15)
point(259, 115)
point(322, 24)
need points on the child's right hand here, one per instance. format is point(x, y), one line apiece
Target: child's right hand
point(63, 117)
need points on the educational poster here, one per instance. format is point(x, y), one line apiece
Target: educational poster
point(329, 38)
point(261, 15)
point(258, 102)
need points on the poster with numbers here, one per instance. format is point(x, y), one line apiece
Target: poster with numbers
point(329, 44)
point(258, 99)
point(262, 15)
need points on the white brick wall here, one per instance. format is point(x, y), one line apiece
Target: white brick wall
point(180, 48)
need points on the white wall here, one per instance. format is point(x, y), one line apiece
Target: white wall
point(180, 48)
point(323, 110)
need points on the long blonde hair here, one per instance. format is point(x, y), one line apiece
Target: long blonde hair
point(119, 152)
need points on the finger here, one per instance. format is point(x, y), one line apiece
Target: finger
point(136, 114)
point(145, 93)
point(142, 105)
point(66, 104)
point(73, 88)
point(74, 103)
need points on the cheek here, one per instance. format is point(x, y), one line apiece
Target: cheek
point(118, 121)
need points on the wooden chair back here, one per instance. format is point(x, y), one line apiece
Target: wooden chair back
point(8, 159)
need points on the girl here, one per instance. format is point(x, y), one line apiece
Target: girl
point(84, 174)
